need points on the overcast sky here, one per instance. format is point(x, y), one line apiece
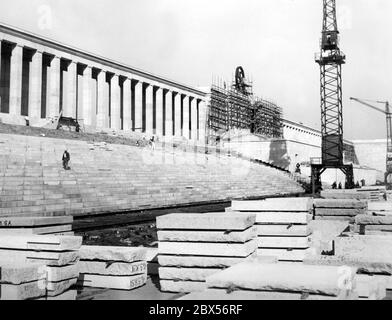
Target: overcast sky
point(191, 40)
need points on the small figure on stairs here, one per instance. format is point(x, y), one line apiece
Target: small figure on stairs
point(66, 159)
point(152, 143)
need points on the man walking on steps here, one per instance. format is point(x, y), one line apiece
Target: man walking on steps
point(66, 159)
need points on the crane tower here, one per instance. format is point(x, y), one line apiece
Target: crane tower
point(330, 59)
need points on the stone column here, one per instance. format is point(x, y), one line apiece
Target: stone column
point(202, 121)
point(35, 86)
point(16, 80)
point(177, 116)
point(53, 104)
point(159, 112)
point(127, 105)
point(169, 114)
point(70, 103)
point(87, 101)
point(185, 128)
point(194, 119)
point(138, 87)
point(115, 120)
point(149, 108)
point(102, 114)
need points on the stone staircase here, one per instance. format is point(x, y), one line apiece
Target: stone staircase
point(108, 178)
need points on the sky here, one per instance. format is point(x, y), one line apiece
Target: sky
point(192, 41)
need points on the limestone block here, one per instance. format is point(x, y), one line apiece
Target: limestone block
point(112, 282)
point(182, 286)
point(57, 274)
point(340, 203)
point(208, 249)
point(371, 287)
point(342, 194)
point(240, 295)
point(195, 261)
point(281, 217)
point(18, 273)
point(208, 236)
point(349, 219)
point(152, 254)
point(277, 204)
point(36, 231)
point(69, 295)
point(338, 212)
point(380, 206)
point(386, 280)
point(365, 219)
point(23, 291)
point(112, 268)
point(38, 242)
point(118, 254)
point(291, 277)
point(284, 242)
point(208, 221)
point(285, 254)
point(12, 222)
point(283, 230)
point(374, 248)
point(56, 288)
point(43, 257)
point(327, 230)
point(186, 274)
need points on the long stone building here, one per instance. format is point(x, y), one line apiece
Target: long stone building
point(41, 79)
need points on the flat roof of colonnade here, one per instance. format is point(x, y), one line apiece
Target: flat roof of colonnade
point(44, 41)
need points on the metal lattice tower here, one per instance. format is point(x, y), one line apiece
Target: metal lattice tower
point(331, 59)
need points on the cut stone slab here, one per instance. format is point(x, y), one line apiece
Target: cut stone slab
point(339, 212)
point(23, 291)
point(18, 274)
point(340, 203)
point(56, 288)
point(380, 206)
point(207, 221)
point(112, 268)
point(386, 280)
point(342, 194)
point(186, 274)
point(371, 288)
point(284, 242)
point(57, 274)
point(36, 231)
point(285, 254)
point(152, 254)
point(112, 282)
point(363, 266)
point(291, 277)
point(11, 222)
point(69, 295)
point(349, 219)
point(327, 230)
point(365, 219)
point(267, 218)
point(195, 261)
point(223, 295)
point(208, 249)
point(182, 286)
point(276, 204)
point(208, 236)
point(118, 254)
point(38, 242)
point(283, 230)
point(373, 248)
point(43, 257)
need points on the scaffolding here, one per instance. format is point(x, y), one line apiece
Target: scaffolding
point(267, 119)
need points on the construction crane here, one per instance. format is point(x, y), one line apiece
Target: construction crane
point(388, 114)
point(330, 59)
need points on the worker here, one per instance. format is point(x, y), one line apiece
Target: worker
point(334, 185)
point(66, 160)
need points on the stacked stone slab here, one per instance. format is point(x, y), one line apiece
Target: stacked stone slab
point(371, 255)
point(345, 194)
point(254, 280)
point(121, 268)
point(373, 225)
point(36, 225)
point(339, 209)
point(22, 282)
point(59, 254)
point(282, 226)
point(381, 208)
point(378, 193)
point(195, 246)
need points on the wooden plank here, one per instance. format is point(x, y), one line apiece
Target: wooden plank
point(276, 204)
point(207, 236)
point(208, 249)
point(112, 282)
point(12, 222)
point(207, 221)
